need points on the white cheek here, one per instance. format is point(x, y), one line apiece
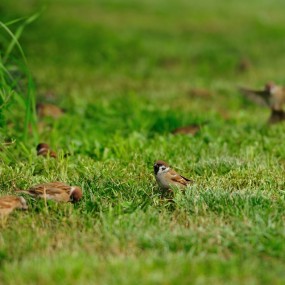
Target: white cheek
point(72, 189)
point(160, 171)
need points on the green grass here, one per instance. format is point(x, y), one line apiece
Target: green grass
point(123, 71)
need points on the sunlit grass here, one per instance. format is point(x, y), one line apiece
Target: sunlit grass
point(17, 87)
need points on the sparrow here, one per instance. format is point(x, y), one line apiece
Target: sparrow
point(168, 178)
point(44, 150)
point(48, 110)
point(56, 191)
point(273, 95)
point(191, 129)
point(243, 65)
point(9, 203)
point(199, 92)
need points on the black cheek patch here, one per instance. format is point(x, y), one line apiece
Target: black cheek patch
point(155, 168)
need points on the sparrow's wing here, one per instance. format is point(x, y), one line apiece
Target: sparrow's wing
point(29, 192)
point(8, 202)
point(5, 204)
point(52, 193)
point(5, 211)
point(175, 177)
point(59, 185)
point(57, 194)
point(258, 96)
point(188, 180)
point(40, 189)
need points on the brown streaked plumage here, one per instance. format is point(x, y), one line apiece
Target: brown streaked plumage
point(44, 150)
point(9, 203)
point(168, 178)
point(56, 191)
point(49, 110)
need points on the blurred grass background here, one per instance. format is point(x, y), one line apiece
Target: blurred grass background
point(128, 73)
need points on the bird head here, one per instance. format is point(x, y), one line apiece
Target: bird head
point(75, 194)
point(160, 166)
point(269, 86)
point(42, 146)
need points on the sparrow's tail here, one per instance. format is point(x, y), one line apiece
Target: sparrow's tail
point(22, 191)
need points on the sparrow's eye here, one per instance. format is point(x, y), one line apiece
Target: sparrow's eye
point(163, 168)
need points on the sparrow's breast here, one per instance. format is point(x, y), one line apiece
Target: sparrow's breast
point(162, 180)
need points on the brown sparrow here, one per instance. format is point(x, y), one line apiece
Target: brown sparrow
point(167, 178)
point(199, 92)
point(44, 150)
point(56, 191)
point(49, 110)
point(9, 203)
point(272, 94)
point(187, 130)
point(243, 65)
point(274, 97)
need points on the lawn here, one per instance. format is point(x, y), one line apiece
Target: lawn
point(127, 73)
